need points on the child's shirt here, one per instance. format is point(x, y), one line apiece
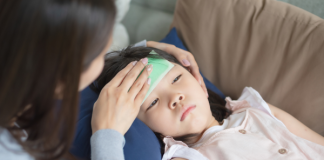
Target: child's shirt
point(251, 132)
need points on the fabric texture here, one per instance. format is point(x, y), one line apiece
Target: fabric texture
point(107, 144)
point(272, 46)
point(120, 37)
point(313, 6)
point(259, 135)
point(141, 142)
point(144, 21)
point(10, 149)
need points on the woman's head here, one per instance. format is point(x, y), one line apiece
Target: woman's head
point(49, 49)
point(177, 106)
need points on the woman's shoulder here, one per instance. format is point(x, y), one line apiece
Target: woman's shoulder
point(10, 149)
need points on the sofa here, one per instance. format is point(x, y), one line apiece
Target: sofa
point(151, 19)
point(270, 66)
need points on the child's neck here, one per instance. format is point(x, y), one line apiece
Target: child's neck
point(212, 122)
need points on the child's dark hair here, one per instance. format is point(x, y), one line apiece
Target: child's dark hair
point(118, 60)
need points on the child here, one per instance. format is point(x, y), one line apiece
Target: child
point(194, 126)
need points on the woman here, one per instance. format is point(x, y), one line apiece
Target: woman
point(50, 50)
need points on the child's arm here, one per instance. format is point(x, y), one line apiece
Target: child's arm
point(295, 126)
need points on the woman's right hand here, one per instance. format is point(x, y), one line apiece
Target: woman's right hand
point(120, 100)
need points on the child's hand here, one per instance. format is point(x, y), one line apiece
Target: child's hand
point(120, 100)
point(185, 57)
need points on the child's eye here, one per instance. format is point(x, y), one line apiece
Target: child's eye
point(153, 103)
point(176, 79)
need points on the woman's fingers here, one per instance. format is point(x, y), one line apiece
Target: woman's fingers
point(184, 57)
point(116, 107)
point(194, 70)
point(141, 80)
point(141, 94)
point(202, 84)
point(118, 79)
point(132, 75)
point(180, 54)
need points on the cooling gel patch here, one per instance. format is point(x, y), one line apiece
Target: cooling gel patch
point(161, 67)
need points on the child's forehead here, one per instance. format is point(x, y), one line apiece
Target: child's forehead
point(168, 76)
point(173, 69)
point(167, 79)
point(161, 67)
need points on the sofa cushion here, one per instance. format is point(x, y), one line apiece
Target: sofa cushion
point(143, 22)
point(272, 46)
point(313, 6)
point(162, 5)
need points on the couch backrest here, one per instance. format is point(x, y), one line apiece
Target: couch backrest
point(314, 6)
point(162, 5)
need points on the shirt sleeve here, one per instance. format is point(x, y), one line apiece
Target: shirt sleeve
point(256, 101)
point(10, 149)
point(107, 144)
point(140, 44)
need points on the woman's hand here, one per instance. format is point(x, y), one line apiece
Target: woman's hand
point(120, 100)
point(184, 57)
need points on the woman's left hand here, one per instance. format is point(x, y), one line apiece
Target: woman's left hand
point(184, 57)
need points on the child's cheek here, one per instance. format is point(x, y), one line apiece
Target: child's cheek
point(162, 122)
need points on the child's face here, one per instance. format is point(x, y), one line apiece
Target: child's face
point(164, 109)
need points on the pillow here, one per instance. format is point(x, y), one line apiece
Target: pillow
point(120, 35)
point(271, 46)
point(141, 142)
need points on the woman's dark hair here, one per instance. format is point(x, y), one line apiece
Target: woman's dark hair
point(45, 44)
point(118, 60)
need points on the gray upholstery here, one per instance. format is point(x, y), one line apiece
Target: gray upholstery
point(149, 19)
point(314, 6)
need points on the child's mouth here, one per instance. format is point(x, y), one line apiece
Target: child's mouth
point(187, 110)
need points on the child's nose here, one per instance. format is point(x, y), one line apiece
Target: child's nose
point(176, 100)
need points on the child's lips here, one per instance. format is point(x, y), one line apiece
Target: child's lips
point(186, 110)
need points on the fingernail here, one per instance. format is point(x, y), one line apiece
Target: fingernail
point(134, 63)
point(144, 61)
point(186, 62)
point(207, 95)
point(149, 81)
point(200, 82)
point(149, 67)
